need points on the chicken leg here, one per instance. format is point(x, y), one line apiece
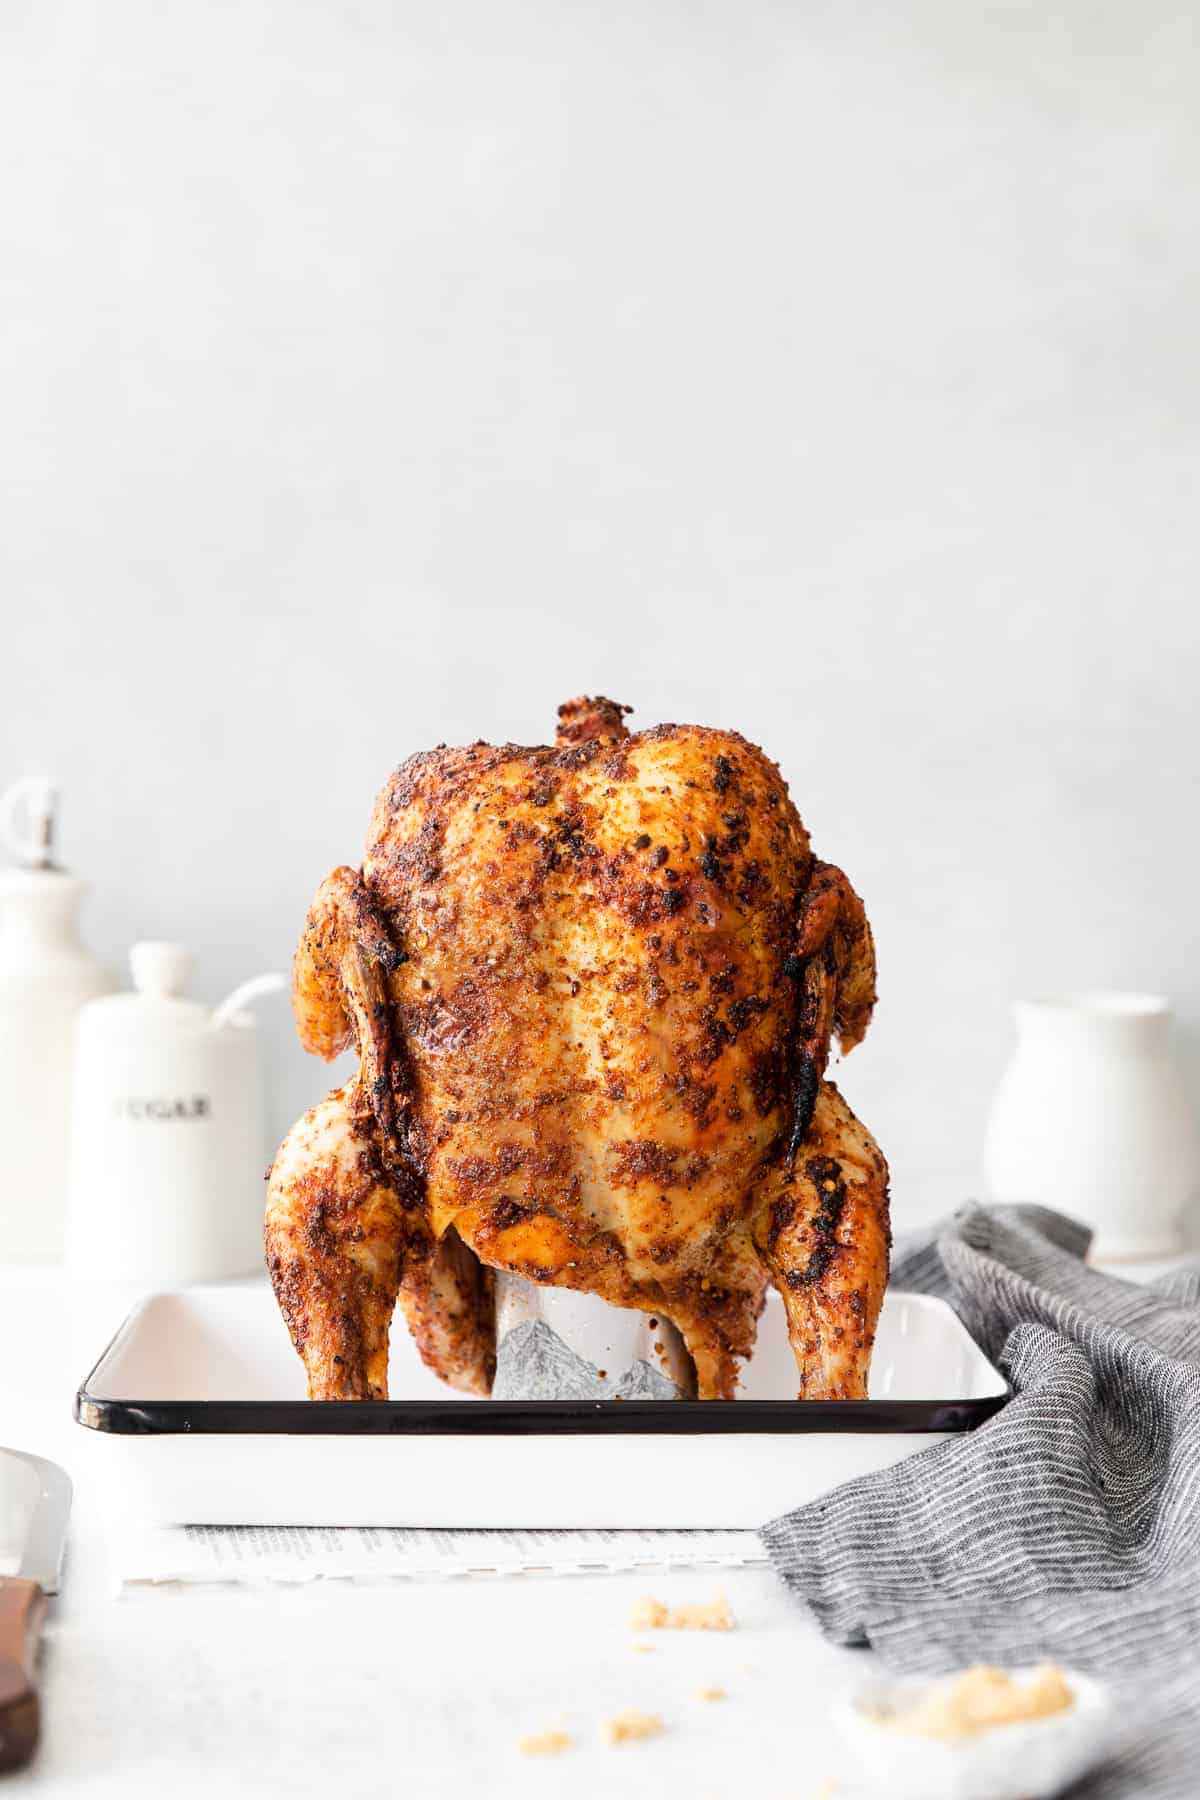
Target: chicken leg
point(345, 1233)
point(342, 1246)
point(821, 1228)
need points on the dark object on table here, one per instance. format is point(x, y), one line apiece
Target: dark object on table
point(35, 1502)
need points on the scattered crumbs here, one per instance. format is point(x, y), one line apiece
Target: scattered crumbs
point(982, 1698)
point(632, 1727)
point(711, 1693)
point(697, 1615)
point(545, 1743)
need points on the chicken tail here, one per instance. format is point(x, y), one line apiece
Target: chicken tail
point(582, 721)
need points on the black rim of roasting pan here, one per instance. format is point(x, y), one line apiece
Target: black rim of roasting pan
point(519, 1418)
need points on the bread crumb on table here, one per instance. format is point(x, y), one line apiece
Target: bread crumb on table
point(696, 1615)
point(711, 1693)
point(545, 1743)
point(632, 1727)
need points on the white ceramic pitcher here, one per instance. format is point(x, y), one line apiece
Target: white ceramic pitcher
point(1091, 1117)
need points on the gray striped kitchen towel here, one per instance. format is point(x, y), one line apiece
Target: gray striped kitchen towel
point(1065, 1528)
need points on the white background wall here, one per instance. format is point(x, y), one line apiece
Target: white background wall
point(374, 375)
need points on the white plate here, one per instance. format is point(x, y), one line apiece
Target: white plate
point(196, 1415)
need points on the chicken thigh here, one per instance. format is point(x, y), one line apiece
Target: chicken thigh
point(592, 989)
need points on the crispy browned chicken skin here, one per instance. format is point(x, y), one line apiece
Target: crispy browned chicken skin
point(592, 990)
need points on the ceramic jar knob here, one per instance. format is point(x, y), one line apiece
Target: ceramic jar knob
point(159, 968)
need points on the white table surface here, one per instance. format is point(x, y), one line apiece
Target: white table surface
point(408, 1689)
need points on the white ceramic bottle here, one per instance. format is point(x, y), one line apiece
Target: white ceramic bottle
point(1091, 1117)
point(46, 975)
point(168, 1145)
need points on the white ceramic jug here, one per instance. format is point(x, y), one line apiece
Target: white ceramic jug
point(167, 1152)
point(1091, 1117)
point(46, 975)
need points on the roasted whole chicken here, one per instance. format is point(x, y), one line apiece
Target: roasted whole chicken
point(592, 989)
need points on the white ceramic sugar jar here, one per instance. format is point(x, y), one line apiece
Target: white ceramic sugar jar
point(167, 1147)
point(1091, 1117)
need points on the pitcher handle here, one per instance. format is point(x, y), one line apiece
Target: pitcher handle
point(254, 989)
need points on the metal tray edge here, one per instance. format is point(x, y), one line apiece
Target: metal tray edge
point(517, 1418)
point(524, 1418)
